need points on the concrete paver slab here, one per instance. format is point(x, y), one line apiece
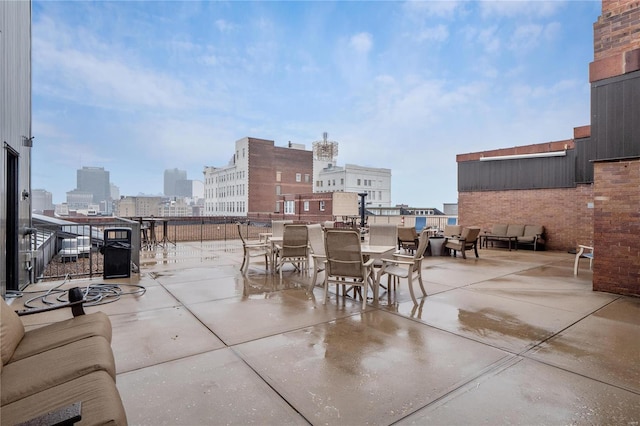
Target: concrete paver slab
point(215, 388)
point(370, 368)
point(530, 393)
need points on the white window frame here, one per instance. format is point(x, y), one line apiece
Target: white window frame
point(289, 207)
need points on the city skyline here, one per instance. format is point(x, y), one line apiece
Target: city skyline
point(139, 87)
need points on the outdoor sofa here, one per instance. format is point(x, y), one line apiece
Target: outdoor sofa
point(515, 235)
point(60, 373)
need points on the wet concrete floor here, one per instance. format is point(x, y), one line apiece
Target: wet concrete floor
point(510, 338)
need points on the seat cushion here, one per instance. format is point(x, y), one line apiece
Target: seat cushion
point(45, 370)
point(499, 229)
point(451, 230)
point(533, 230)
point(62, 333)
point(11, 331)
point(515, 230)
point(454, 244)
point(101, 402)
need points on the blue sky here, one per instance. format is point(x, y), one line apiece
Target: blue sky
point(140, 87)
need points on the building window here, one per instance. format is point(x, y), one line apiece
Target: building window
point(306, 206)
point(358, 182)
point(290, 207)
point(278, 176)
point(277, 209)
point(278, 189)
point(321, 206)
point(298, 177)
point(307, 178)
point(342, 181)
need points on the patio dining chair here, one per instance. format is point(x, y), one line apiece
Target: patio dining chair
point(407, 238)
point(277, 231)
point(316, 246)
point(405, 267)
point(252, 249)
point(345, 264)
point(294, 248)
point(583, 251)
point(382, 235)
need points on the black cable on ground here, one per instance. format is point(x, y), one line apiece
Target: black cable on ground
point(95, 294)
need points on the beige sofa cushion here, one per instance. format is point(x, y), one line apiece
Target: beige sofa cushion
point(499, 229)
point(515, 230)
point(11, 331)
point(62, 333)
point(45, 370)
point(101, 403)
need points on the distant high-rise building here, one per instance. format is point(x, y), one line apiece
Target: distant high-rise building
point(41, 200)
point(115, 192)
point(138, 206)
point(79, 200)
point(184, 188)
point(171, 179)
point(95, 180)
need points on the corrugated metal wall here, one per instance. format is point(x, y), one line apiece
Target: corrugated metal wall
point(530, 173)
point(615, 116)
point(15, 131)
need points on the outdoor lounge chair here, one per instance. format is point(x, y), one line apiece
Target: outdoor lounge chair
point(467, 240)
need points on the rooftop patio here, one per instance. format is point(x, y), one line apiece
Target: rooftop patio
point(510, 338)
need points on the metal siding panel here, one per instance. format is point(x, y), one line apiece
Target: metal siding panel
point(615, 122)
point(615, 108)
point(631, 106)
point(15, 121)
point(553, 172)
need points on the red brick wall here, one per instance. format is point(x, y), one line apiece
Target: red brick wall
point(261, 185)
point(616, 267)
point(265, 160)
point(564, 212)
point(616, 40)
point(617, 30)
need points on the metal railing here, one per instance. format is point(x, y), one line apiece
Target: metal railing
point(167, 231)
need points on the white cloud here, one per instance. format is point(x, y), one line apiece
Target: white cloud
point(514, 8)
point(361, 43)
point(487, 37)
point(525, 92)
point(224, 26)
point(439, 33)
point(432, 8)
point(525, 37)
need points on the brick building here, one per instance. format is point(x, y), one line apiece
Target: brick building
point(585, 190)
point(257, 174)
